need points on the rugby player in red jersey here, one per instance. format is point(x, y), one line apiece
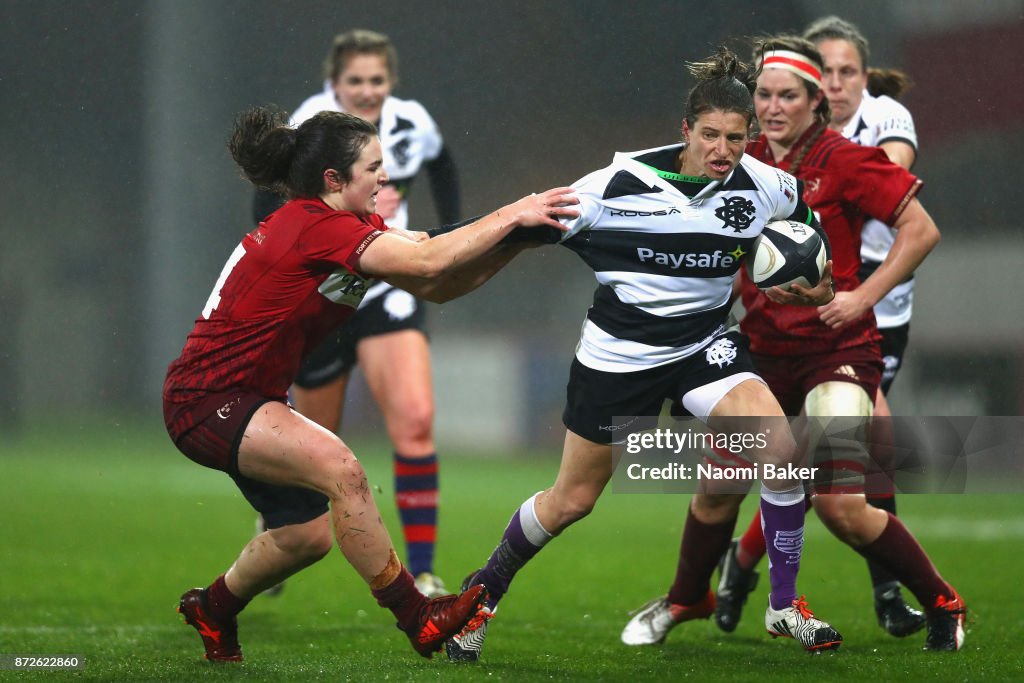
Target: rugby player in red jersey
point(864, 111)
point(294, 278)
point(387, 336)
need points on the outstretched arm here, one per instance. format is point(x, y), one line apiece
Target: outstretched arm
point(413, 265)
point(463, 280)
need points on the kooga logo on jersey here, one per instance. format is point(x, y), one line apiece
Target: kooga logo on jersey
point(660, 212)
point(716, 259)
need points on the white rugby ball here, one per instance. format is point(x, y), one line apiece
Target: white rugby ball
point(787, 253)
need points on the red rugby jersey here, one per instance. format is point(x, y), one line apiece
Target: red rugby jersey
point(844, 183)
point(290, 282)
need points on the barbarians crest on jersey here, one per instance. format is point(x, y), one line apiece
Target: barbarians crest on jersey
point(721, 353)
point(736, 213)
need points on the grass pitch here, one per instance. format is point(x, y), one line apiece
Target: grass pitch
point(104, 527)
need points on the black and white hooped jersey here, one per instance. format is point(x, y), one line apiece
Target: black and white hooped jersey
point(409, 137)
point(879, 120)
point(665, 263)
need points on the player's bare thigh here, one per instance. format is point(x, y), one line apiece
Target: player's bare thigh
point(280, 446)
point(750, 408)
point(398, 372)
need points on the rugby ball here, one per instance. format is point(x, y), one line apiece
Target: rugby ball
point(786, 253)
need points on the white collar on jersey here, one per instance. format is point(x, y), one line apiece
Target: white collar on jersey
point(851, 126)
point(647, 174)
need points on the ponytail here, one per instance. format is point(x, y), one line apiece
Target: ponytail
point(292, 161)
point(263, 146)
point(724, 83)
point(891, 82)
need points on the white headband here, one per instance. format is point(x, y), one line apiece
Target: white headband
point(802, 66)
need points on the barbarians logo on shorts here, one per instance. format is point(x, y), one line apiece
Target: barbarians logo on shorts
point(736, 213)
point(721, 353)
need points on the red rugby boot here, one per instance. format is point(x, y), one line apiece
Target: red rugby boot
point(220, 638)
point(441, 618)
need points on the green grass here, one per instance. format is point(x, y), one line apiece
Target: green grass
point(103, 528)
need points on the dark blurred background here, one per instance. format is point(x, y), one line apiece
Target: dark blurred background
point(121, 204)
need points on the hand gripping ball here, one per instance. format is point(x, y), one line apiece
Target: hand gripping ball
point(786, 253)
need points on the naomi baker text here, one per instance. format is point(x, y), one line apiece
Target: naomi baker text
point(754, 472)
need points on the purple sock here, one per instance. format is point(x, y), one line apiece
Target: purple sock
point(523, 538)
point(782, 521)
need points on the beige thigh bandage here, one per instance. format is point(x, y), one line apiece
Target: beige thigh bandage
point(838, 398)
point(838, 417)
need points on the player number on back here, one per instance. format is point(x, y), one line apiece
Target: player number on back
point(214, 300)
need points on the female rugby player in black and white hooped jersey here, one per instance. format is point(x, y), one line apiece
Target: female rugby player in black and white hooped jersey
point(825, 363)
point(665, 231)
point(386, 337)
point(291, 281)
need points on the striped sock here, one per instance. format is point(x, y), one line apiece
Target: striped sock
point(416, 496)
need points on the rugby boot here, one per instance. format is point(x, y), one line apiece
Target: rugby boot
point(468, 644)
point(220, 638)
point(896, 616)
point(946, 624)
point(735, 584)
point(799, 623)
point(441, 618)
point(652, 622)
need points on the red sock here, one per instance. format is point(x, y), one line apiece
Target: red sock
point(701, 548)
point(221, 602)
point(898, 551)
point(401, 597)
point(752, 543)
